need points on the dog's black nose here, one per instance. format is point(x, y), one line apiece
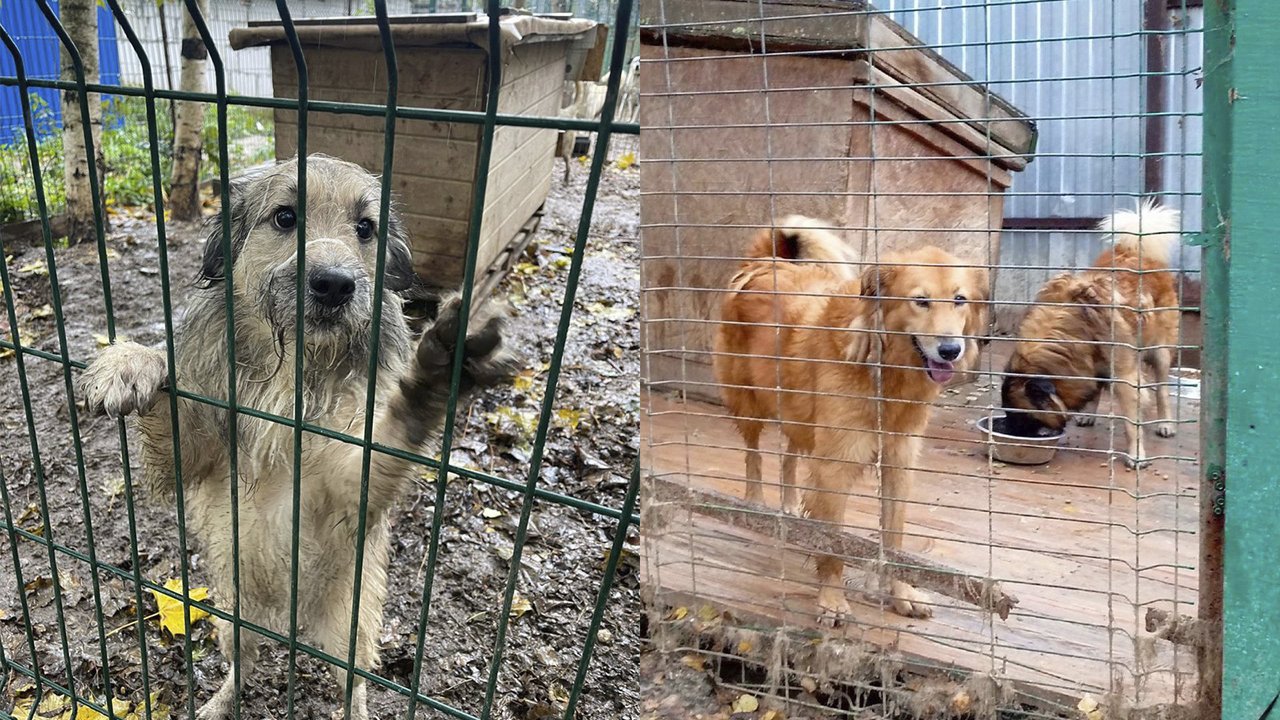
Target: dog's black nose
point(949, 350)
point(332, 287)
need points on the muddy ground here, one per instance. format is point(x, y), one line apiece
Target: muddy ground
point(590, 454)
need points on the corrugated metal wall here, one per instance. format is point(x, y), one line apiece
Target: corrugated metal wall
point(41, 59)
point(1076, 67)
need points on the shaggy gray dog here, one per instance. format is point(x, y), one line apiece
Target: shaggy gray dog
point(412, 392)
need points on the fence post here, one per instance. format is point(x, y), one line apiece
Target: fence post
point(1242, 259)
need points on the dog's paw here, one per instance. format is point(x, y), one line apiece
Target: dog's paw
point(1136, 463)
point(486, 359)
point(126, 377)
point(1086, 420)
point(910, 602)
point(1165, 428)
point(833, 606)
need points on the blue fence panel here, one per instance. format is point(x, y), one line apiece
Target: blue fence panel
point(42, 59)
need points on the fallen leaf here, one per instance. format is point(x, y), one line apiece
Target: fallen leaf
point(626, 161)
point(569, 418)
point(771, 715)
point(744, 647)
point(520, 605)
point(524, 381)
point(697, 662)
point(103, 340)
point(37, 267)
point(746, 704)
point(43, 311)
point(491, 513)
point(171, 609)
point(679, 613)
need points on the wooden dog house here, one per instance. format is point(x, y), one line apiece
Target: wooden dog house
point(443, 63)
point(846, 117)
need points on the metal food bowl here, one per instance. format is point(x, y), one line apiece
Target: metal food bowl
point(1017, 449)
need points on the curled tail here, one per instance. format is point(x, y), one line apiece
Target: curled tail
point(1152, 231)
point(799, 239)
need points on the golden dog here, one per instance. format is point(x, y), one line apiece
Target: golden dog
point(1101, 325)
point(849, 364)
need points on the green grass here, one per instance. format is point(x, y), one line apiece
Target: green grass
point(126, 154)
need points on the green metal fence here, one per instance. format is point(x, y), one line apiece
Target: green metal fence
point(56, 677)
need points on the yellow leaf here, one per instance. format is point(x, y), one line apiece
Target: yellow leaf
point(524, 381)
point(744, 647)
point(679, 613)
point(491, 513)
point(626, 161)
point(706, 613)
point(569, 418)
point(36, 267)
point(43, 311)
point(519, 605)
point(103, 340)
point(771, 715)
point(171, 609)
point(746, 704)
point(697, 662)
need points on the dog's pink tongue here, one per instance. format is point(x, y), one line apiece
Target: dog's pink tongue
point(941, 372)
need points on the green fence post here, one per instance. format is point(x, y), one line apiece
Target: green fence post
point(1242, 100)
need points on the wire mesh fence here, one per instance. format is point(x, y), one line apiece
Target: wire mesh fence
point(288, 400)
point(889, 253)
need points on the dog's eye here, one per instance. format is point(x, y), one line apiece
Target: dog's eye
point(960, 299)
point(921, 302)
point(285, 218)
point(364, 229)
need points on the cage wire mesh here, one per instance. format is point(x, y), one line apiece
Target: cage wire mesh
point(101, 609)
point(1002, 133)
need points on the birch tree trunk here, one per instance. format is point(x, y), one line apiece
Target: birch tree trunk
point(184, 181)
point(80, 18)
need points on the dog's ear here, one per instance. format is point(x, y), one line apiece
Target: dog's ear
point(398, 271)
point(213, 264)
point(1040, 390)
point(977, 324)
point(1087, 293)
point(876, 278)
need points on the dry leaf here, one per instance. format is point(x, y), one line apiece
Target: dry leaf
point(771, 715)
point(626, 161)
point(36, 267)
point(569, 418)
point(520, 605)
point(746, 704)
point(171, 609)
point(491, 513)
point(697, 662)
point(679, 613)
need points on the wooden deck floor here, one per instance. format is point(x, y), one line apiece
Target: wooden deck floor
point(1085, 545)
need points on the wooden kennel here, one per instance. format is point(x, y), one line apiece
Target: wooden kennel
point(821, 108)
point(443, 63)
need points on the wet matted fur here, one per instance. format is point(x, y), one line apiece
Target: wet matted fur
point(413, 387)
point(849, 363)
point(1099, 327)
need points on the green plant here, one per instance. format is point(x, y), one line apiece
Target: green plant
point(126, 153)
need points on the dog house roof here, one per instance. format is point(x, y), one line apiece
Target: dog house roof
point(888, 58)
point(451, 29)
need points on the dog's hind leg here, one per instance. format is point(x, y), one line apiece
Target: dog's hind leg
point(1161, 360)
point(897, 476)
point(219, 706)
point(1125, 387)
point(790, 493)
point(750, 430)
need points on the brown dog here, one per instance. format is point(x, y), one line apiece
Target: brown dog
point(849, 364)
point(1101, 325)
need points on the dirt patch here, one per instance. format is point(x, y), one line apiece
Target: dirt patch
point(590, 452)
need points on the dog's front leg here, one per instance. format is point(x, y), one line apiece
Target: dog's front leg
point(897, 476)
point(415, 412)
point(826, 499)
point(1125, 387)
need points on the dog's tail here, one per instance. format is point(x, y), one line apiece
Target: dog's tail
point(1151, 231)
point(804, 239)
